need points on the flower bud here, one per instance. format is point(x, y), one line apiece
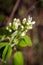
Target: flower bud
point(23, 33)
point(10, 24)
point(7, 28)
point(33, 22)
point(24, 21)
point(10, 30)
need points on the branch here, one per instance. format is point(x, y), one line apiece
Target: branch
point(30, 9)
point(13, 11)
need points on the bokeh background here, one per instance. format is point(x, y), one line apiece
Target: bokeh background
point(9, 9)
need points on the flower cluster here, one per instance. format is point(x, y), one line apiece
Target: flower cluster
point(23, 26)
point(17, 38)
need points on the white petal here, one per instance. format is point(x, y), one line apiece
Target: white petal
point(22, 27)
point(23, 33)
point(18, 20)
point(30, 27)
point(16, 24)
point(24, 19)
point(33, 22)
point(9, 24)
point(15, 19)
point(29, 18)
point(7, 28)
point(10, 30)
point(29, 23)
point(26, 30)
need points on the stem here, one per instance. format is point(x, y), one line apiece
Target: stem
point(13, 45)
point(13, 36)
point(29, 10)
point(13, 11)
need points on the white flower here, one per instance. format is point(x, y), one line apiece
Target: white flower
point(16, 26)
point(10, 24)
point(29, 19)
point(22, 26)
point(26, 30)
point(28, 23)
point(33, 22)
point(7, 28)
point(23, 33)
point(24, 21)
point(30, 27)
point(10, 30)
point(15, 19)
point(16, 23)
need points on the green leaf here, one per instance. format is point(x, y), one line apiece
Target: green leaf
point(18, 58)
point(2, 38)
point(4, 52)
point(25, 41)
point(4, 32)
point(22, 43)
point(3, 44)
point(7, 52)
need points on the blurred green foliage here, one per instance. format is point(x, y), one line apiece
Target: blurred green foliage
point(2, 18)
point(41, 2)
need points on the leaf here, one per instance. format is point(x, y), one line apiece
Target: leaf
point(22, 43)
point(5, 32)
point(4, 52)
point(2, 38)
point(25, 41)
point(18, 58)
point(7, 52)
point(3, 44)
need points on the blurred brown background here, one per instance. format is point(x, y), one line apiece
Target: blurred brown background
point(10, 9)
